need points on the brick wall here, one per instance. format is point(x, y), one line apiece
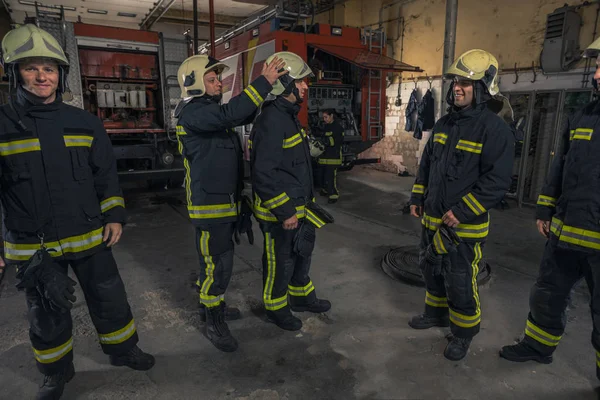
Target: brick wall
point(399, 150)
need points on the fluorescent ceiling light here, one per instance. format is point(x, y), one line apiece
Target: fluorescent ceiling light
point(92, 11)
point(126, 14)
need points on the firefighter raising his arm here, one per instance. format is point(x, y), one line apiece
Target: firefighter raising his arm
point(568, 214)
point(465, 171)
point(283, 190)
point(331, 159)
point(214, 172)
point(62, 207)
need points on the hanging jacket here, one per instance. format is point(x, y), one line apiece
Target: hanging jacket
point(333, 140)
point(212, 152)
point(58, 180)
point(281, 163)
point(466, 168)
point(570, 199)
point(411, 107)
point(426, 115)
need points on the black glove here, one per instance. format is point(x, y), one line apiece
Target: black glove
point(54, 285)
point(445, 241)
point(304, 240)
point(244, 221)
point(317, 215)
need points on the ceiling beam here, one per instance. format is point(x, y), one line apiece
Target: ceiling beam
point(178, 16)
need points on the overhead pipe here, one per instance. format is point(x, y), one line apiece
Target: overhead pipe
point(211, 15)
point(449, 46)
point(195, 17)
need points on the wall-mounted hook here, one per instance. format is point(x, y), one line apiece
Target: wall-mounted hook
point(516, 75)
point(430, 80)
point(534, 73)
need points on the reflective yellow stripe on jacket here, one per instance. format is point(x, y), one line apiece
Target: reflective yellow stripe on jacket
point(19, 146)
point(467, 231)
point(573, 235)
point(112, 202)
point(73, 244)
point(78, 140)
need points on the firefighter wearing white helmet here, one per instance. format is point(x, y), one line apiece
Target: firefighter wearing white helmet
point(567, 217)
point(62, 208)
point(465, 171)
point(214, 170)
point(283, 194)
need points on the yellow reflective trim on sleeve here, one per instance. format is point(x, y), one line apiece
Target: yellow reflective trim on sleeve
point(78, 140)
point(19, 146)
point(473, 204)
point(119, 336)
point(546, 201)
point(440, 138)
point(112, 202)
point(465, 321)
point(253, 95)
point(276, 201)
point(473, 147)
point(418, 189)
point(539, 335)
point(292, 141)
point(582, 134)
point(53, 355)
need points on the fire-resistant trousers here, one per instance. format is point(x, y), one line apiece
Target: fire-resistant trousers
point(51, 331)
point(284, 272)
point(455, 289)
point(214, 244)
point(560, 270)
point(330, 177)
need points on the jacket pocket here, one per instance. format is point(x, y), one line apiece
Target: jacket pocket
point(221, 174)
point(91, 211)
point(80, 164)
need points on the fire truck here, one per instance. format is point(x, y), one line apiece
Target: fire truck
point(349, 64)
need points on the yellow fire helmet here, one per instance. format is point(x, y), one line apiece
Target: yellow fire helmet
point(593, 50)
point(476, 65)
point(190, 75)
point(29, 41)
point(297, 68)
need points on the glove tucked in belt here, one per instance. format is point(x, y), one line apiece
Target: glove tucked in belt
point(317, 215)
point(445, 241)
point(244, 221)
point(51, 282)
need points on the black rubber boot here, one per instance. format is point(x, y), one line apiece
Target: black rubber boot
point(332, 201)
point(457, 348)
point(522, 352)
point(54, 385)
point(324, 193)
point(424, 321)
point(284, 320)
point(217, 330)
point(135, 358)
point(231, 313)
point(318, 306)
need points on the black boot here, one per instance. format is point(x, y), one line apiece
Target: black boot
point(522, 352)
point(284, 320)
point(318, 306)
point(457, 348)
point(231, 313)
point(53, 385)
point(332, 201)
point(135, 358)
point(217, 330)
point(424, 321)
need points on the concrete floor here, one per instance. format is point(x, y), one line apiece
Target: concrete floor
point(361, 349)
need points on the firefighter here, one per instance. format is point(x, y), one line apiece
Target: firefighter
point(567, 215)
point(214, 172)
point(332, 158)
point(62, 207)
point(283, 192)
point(464, 171)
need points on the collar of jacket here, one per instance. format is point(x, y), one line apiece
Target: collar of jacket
point(463, 115)
point(286, 106)
point(32, 104)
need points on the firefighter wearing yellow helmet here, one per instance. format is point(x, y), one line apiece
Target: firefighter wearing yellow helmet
point(567, 217)
point(465, 171)
point(283, 190)
point(214, 170)
point(62, 208)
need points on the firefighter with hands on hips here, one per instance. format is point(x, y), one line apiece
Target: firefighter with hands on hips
point(62, 207)
point(282, 182)
point(214, 178)
point(331, 159)
point(568, 215)
point(465, 170)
